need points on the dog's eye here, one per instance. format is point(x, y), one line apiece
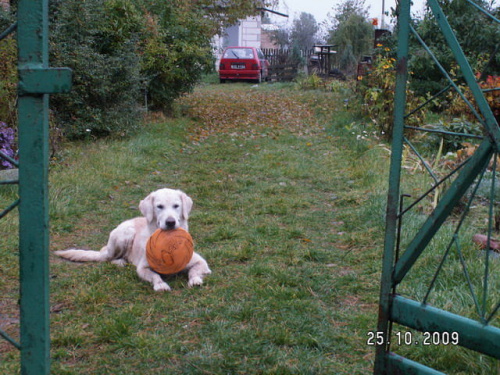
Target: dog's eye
point(176, 206)
point(160, 207)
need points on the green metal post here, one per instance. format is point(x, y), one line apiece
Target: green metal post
point(33, 209)
point(36, 81)
point(394, 188)
point(403, 366)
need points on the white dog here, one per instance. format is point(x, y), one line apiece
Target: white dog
point(165, 209)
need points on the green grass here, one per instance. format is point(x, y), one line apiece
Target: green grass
point(289, 208)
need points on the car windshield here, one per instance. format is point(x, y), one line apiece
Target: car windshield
point(238, 53)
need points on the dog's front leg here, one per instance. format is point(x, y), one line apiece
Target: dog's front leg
point(197, 269)
point(147, 274)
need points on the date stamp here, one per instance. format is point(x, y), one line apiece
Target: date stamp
point(407, 338)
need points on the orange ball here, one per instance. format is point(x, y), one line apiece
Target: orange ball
point(169, 251)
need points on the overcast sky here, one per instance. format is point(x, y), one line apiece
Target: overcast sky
point(320, 8)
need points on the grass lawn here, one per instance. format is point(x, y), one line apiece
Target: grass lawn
point(289, 193)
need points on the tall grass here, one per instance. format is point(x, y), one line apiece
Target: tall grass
point(288, 213)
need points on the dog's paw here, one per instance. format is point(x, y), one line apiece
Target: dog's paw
point(195, 281)
point(161, 287)
point(119, 262)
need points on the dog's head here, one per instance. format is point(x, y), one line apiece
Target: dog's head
point(167, 209)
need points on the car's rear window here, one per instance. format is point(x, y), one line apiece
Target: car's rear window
point(238, 53)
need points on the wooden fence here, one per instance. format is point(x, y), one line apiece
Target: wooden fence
point(281, 56)
point(283, 72)
point(285, 63)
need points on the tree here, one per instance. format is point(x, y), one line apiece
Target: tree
point(344, 10)
point(351, 32)
point(303, 32)
point(219, 14)
point(281, 37)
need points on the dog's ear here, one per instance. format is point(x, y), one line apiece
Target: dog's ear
point(146, 208)
point(187, 204)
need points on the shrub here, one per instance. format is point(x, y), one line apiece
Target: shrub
point(377, 92)
point(119, 51)
point(175, 54)
point(457, 107)
point(309, 82)
point(98, 43)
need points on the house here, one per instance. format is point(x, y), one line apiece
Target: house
point(250, 32)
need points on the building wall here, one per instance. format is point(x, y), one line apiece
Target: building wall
point(245, 33)
point(250, 32)
point(233, 36)
point(265, 40)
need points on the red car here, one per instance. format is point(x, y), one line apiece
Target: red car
point(243, 63)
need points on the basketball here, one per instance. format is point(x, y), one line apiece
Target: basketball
point(169, 251)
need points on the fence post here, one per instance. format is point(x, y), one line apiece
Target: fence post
point(36, 81)
point(33, 209)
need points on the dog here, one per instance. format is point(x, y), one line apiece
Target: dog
point(163, 208)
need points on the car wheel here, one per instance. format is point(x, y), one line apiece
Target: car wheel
point(222, 80)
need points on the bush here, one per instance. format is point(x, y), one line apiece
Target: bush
point(125, 55)
point(377, 92)
point(309, 82)
point(100, 45)
point(176, 53)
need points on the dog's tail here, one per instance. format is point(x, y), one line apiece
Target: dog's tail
point(77, 255)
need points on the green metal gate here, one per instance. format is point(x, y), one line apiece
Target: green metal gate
point(36, 81)
point(425, 254)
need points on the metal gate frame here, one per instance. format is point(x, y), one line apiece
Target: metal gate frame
point(36, 81)
point(479, 336)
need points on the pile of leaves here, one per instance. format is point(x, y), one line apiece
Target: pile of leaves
point(249, 114)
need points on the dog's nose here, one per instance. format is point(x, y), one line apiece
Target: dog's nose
point(170, 223)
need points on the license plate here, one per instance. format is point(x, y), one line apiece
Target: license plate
point(237, 66)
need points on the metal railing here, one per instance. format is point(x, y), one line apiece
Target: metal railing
point(405, 247)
